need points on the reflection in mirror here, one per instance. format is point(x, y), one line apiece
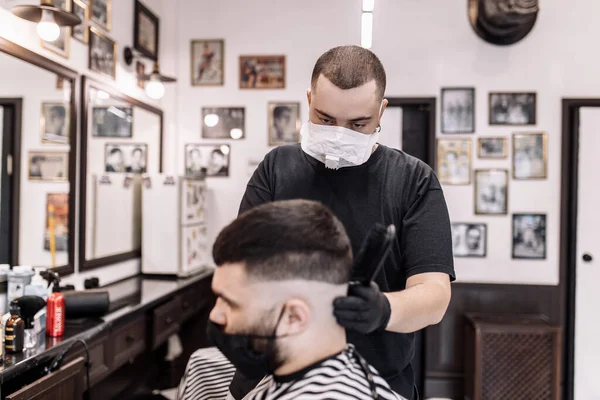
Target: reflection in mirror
point(122, 141)
point(36, 113)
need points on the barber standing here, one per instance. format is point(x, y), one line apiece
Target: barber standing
point(340, 164)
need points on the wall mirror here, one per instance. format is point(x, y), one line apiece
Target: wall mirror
point(37, 168)
point(121, 139)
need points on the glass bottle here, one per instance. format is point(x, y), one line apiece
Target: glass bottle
point(15, 331)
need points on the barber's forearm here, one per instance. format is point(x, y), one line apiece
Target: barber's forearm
point(417, 307)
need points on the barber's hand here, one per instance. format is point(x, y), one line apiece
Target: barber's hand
point(364, 310)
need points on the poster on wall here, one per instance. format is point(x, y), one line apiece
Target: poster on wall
point(209, 159)
point(193, 200)
point(194, 247)
point(207, 62)
point(262, 72)
point(529, 236)
point(126, 157)
point(57, 222)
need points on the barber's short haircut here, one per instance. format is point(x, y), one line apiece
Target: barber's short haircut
point(289, 239)
point(349, 67)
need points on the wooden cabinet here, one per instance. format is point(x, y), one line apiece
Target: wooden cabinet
point(128, 341)
point(165, 321)
point(99, 358)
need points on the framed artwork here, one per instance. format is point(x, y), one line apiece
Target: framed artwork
point(530, 155)
point(208, 62)
point(492, 147)
point(57, 222)
point(145, 31)
point(102, 53)
point(262, 72)
point(469, 239)
point(458, 110)
point(193, 200)
point(140, 69)
point(529, 236)
point(194, 247)
point(48, 166)
point(112, 121)
point(284, 123)
point(102, 13)
point(55, 122)
point(209, 159)
point(126, 157)
point(454, 161)
point(81, 31)
point(512, 108)
point(491, 191)
point(223, 122)
point(61, 45)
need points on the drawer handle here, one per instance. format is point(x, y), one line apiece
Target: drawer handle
point(129, 339)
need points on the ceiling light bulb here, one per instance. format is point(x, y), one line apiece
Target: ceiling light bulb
point(47, 28)
point(155, 88)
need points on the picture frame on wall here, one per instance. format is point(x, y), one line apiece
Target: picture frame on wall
point(140, 69)
point(530, 155)
point(262, 72)
point(126, 157)
point(223, 123)
point(211, 160)
point(469, 239)
point(145, 31)
point(101, 14)
point(51, 166)
point(207, 62)
point(102, 53)
point(55, 122)
point(458, 110)
point(512, 108)
point(112, 121)
point(81, 31)
point(284, 123)
point(491, 191)
point(529, 236)
point(61, 45)
point(492, 147)
point(454, 161)
point(57, 222)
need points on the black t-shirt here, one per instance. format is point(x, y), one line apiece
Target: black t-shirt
point(392, 187)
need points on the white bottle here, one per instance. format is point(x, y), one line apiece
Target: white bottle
point(38, 285)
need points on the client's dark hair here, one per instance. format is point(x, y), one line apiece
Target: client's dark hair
point(291, 239)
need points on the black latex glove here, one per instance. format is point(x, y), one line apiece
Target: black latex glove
point(365, 309)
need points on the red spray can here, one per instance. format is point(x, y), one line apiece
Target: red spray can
point(55, 310)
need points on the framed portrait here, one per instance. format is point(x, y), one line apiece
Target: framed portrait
point(458, 110)
point(530, 155)
point(126, 157)
point(55, 122)
point(48, 166)
point(262, 72)
point(61, 45)
point(57, 222)
point(102, 13)
point(469, 239)
point(512, 108)
point(529, 236)
point(145, 31)
point(223, 122)
point(454, 161)
point(492, 147)
point(140, 69)
point(208, 62)
point(102, 53)
point(112, 121)
point(491, 191)
point(81, 31)
point(284, 123)
point(208, 159)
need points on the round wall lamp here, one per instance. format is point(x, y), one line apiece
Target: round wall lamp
point(48, 17)
point(154, 88)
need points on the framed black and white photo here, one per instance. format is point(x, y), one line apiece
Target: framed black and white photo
point(530, 155)
point(101, 13)
point(491, 191)
point(512, 108)
point(492, 147)
point(469, 239)
point(208, 62)
point(102, 55)
point(126, 157)
point(145, 31)
point(209, 159)
point(55, 122)
point(529, 236)
point(454, 161)
point(49, 166)
point(81, 31)
point(458, 110)
point(223, 122)
point(284, 123)
point(61, 45)
point(112, 121)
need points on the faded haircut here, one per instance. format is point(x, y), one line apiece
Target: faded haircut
point(349, 67)
point(290, 239)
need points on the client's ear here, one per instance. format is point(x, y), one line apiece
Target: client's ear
point(296, 317)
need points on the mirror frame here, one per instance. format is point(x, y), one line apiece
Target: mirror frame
point(86, 84)
point(15, 50)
